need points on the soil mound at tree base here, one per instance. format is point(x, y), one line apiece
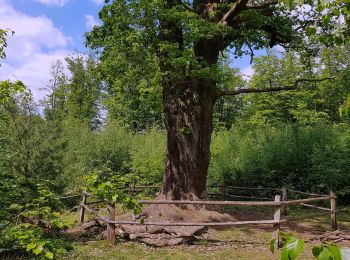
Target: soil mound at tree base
point(169, 235)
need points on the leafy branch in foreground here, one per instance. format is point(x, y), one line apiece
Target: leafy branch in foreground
point(292, 248)
point(107, 186)
point(31, 224)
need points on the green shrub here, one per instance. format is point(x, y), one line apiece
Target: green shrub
point(30, 223)
point(87, 151)
point(314, 158)
point(148, 156)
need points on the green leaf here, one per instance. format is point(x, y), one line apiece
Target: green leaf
point(338, 41)
point(272, 245)
point(295, 248)
point(38, 249)
point(31, 246)
point(284, 254)
point(326, 19)
point(324, 255)
point(311, 31)
point(336, 12)
point(335, 252)
point(324, 39)
point(316, 250)
point(49, 255)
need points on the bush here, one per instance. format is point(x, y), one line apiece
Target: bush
point(87, 151)
point(314, 158)
point(30, 223)
point(148, 156)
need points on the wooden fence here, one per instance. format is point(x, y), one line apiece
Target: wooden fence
point(280, 204)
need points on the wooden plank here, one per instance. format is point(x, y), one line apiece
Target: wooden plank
point(315, 207)
point(248, 197)
point(250, 188)
point(284, 198)
point(257, 222)
point(110, 225)
point(333, 210)
point(94, 213)
point(306, 193)
point(201, 202)
point(82, 209)
point(305, 200)
point(223, 191)
point(277, 219)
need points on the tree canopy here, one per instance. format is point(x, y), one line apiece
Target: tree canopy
point(182, 48)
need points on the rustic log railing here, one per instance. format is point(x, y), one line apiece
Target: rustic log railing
point(280, 204)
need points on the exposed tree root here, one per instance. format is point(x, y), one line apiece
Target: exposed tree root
point(169, 235)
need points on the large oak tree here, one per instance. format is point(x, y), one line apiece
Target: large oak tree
point(175, 46)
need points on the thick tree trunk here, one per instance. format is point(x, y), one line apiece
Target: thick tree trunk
point(188, 109)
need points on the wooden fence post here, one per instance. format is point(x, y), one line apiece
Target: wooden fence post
point(223, 191)
point(82, 209)
point(277, 217)
point(132, 189)
point(333, 210)
point(284, 210)
point(111, 226)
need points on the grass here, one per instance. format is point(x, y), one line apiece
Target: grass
point(131, 250)
point(228, 243)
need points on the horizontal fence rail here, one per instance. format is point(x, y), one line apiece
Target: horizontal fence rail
point(235, 223)
point(204, 202)
point(280, 203)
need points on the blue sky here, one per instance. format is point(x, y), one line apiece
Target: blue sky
point(72, 17)
point(46, 31)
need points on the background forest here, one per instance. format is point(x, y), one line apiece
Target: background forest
point(92, 124)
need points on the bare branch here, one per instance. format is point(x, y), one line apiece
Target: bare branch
point(236, 8)
point(241, 5)
point(272, 89)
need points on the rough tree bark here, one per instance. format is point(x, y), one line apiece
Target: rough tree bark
point(188, 112)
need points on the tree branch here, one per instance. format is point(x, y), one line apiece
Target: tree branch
point(241, 5)
point(272, 89)
point(236, 8)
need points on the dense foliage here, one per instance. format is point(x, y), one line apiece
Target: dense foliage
point(292, 248)
point(101, 125)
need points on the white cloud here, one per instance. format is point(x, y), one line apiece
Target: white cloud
point(279, 49)
point(35, 73)
point(53, 2)
point(90, 21)
point(98, 2)
point(37, 43)
point(247, 72)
